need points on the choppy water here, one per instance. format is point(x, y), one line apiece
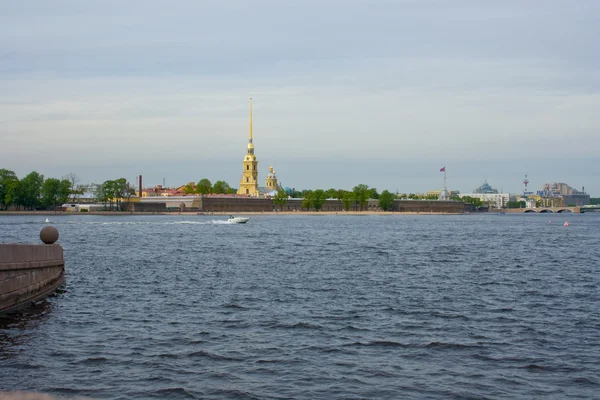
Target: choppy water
point(323, 307)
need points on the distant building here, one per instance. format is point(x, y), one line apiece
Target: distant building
point(576, 200)
point(530, 203)
point(249, 182)
point(489, 195)
point(567, 195)
point(560, 188)
point(436, 193)
point(496, 200)
point(485, 188)
point(159, 191)
point(89, 193)
point(271, 180)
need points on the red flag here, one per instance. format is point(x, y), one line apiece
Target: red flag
point(443, 169)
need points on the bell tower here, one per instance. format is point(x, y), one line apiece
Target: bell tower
point(249, 182)
point(271, 180)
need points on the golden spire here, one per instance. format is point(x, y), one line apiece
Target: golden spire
point(250, 144)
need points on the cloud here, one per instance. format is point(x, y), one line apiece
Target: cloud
point(142, 85)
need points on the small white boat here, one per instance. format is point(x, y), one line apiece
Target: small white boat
point(237, 220)
point(47, 220)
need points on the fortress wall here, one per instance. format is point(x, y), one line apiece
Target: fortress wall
point(235, 204)
point(424, 206)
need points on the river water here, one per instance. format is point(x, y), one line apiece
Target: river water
point(320, 307)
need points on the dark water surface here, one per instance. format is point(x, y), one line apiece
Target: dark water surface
point(320, 307)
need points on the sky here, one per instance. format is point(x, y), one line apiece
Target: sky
point(379, 92)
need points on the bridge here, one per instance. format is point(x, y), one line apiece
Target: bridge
point(546, 210)
point(590, 208)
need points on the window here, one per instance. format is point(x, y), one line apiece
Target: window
point(247, 167)
point(247, 180)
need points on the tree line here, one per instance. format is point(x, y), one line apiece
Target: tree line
point(355, 199)
point(204, 186)
point(114, 192)
point(33, 191)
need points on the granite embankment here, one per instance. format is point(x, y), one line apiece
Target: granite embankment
point(30, 272)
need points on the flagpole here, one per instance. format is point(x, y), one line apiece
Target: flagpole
point(444, 177)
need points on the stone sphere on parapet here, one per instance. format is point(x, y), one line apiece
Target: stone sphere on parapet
point(49, 234)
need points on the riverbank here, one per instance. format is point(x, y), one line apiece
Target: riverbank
point(123, 213)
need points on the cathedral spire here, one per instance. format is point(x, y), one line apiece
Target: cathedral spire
point(249, 182)
point(250, 144)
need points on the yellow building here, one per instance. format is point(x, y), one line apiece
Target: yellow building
point(249, 182)
point(271, 180)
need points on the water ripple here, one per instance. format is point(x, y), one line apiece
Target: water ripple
point(293, 307)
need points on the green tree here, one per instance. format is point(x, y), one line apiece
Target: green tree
point(102, 194)
point(121, 191)
point(280, 199)
point(348, 200)
point(7, 180)
point(296, 194)
point(64, 191)
point(189, 188)
point(516, 204)
point(204, 186)
point(30, 190)
point(331, 193)
point(126, 192)
point(307, 200)
point(14, 194)
point(108, 192)
point(373, 193)
point(318, 198)
point(55, 192)
point(50, 192)
point(221, 187)
point(472, 200)
point(386, 199)
point(361, 195)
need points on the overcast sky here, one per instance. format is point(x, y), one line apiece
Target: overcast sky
point(345, 92)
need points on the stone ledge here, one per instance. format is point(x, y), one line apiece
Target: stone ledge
point(15, 266)
point(30, 252)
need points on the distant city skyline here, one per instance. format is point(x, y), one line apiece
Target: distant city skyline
point(382, 93)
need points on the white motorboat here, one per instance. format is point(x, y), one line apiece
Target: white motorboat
point(237, 220)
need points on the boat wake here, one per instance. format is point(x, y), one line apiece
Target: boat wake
point(211, 222)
